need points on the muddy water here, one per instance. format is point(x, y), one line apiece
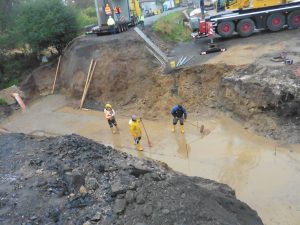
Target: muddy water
point(264, 174)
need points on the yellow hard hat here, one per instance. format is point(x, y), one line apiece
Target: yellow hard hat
point(108, 106)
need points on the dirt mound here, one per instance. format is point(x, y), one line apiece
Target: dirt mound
point(123, 70)
point(72, 180)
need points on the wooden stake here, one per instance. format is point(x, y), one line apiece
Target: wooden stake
point(149, 142)
point(56, 73)
point(86, 82)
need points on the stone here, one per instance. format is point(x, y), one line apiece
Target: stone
point(82, 190)
point(119, 206)
point(81, 201)
point(39, 172)
point(117, 188)
point(97, 217)
point(140, 199)
point(165, 211)
point(92, 183)
point(147, 210)
point(74, 181)
point(129, 196)
point(53, 214)
point(87, 223)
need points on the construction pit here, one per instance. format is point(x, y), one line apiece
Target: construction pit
point(248, 105)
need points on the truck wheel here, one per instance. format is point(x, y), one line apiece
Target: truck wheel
point(225, 29)
point(275, 22)
point(294, 19)
point(119, 29)
point(245, 27)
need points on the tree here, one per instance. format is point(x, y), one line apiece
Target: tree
point(45, 23)
point(6, 7)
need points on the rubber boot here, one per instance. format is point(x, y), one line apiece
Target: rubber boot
point(173, 129)
point(182, 128)
point(139, 147)
point(117, 129)
point(113, 130)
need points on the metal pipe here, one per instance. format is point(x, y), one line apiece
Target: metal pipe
point(182, 62)
point(179, 61)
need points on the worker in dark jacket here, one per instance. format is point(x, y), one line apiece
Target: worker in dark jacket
point(179, 113)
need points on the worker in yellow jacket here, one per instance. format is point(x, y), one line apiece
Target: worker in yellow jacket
point(136, 132)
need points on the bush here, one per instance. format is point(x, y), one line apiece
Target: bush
point(171, 28)
point(87, 17)
point(2, 102)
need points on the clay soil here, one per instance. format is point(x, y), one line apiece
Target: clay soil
point(130, 78)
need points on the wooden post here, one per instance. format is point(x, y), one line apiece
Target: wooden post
point(56, 73)
point(86, 82)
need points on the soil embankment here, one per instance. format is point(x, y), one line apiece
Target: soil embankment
point(129, 77)
point(73, 180)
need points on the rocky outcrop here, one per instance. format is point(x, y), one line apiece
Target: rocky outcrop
point(258, 90)
point(72, 180)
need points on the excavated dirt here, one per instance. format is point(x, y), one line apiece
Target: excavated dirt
point(266, 98)
point(72, 180)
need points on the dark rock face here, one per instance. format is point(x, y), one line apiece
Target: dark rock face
point(255, 91)
point(72, 180)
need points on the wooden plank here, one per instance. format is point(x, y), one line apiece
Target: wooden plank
point(56, 73)
point(86, 82)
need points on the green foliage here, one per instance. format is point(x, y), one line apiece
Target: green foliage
point(81, 4)
point(45, 23)
point(87, 17)
point(2, 102)
point(171, 28)
point(6, 8)
point(9, 83)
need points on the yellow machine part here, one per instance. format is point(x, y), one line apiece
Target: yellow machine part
point(137, 8)
point(240, 4)
point(237, 4)
point(265, 3)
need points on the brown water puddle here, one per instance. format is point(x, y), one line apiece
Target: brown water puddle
point(264, 174)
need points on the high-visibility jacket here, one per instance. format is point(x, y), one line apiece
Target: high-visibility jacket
point(142, 17)
point(135, 128)
point(107, 10)
point(117, 10)
point(109, 114)
point(110, 21)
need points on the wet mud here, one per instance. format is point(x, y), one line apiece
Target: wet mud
point(263, 172)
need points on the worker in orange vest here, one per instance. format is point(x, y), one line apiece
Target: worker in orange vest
point(110, 116)
point(107, 10)
point(117, 12)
